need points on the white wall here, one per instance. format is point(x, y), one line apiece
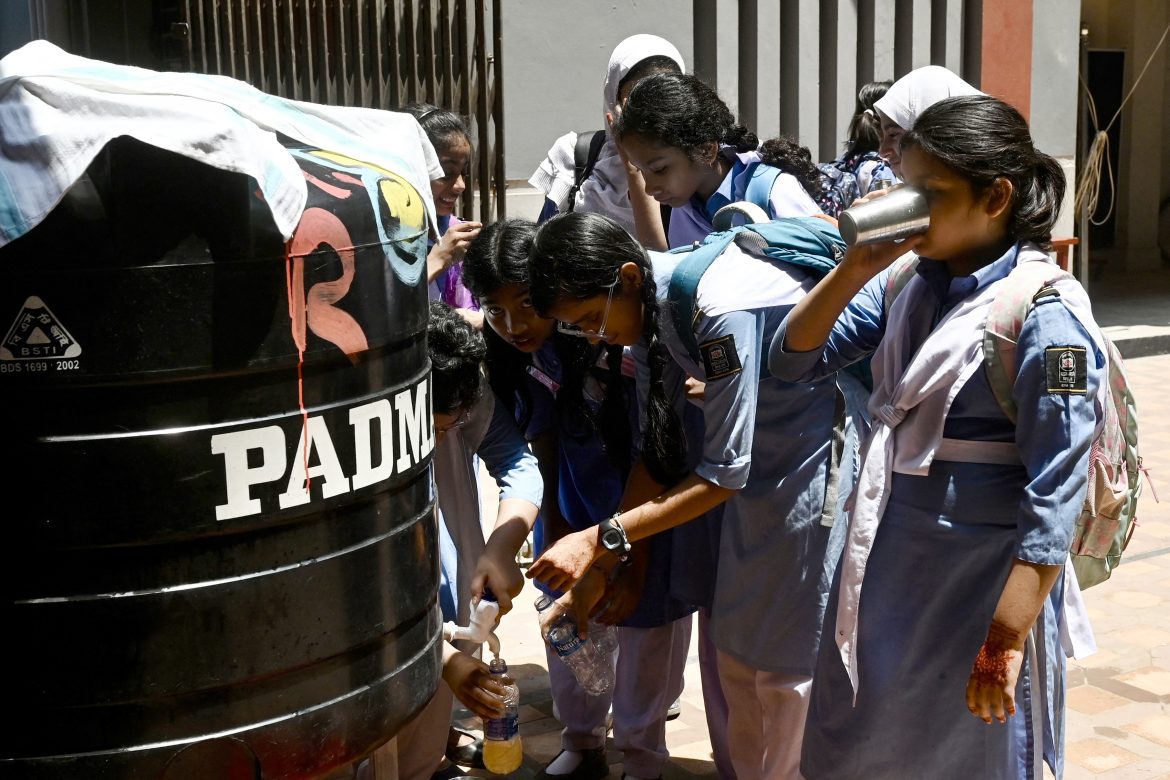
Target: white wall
point(555, 56)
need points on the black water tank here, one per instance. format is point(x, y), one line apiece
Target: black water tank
point(176, 601)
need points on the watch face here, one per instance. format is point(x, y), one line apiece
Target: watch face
point(611, 539)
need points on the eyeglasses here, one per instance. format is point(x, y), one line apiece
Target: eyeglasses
point(459, 422)
point(576, 330)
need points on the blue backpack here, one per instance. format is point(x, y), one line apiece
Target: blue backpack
point(807, 242)
point(840, 189)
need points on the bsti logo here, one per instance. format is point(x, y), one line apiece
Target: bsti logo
point(37, 334)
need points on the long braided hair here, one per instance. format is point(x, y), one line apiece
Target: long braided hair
point(577, 255)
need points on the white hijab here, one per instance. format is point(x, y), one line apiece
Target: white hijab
point(918, 90)
point(606, 191)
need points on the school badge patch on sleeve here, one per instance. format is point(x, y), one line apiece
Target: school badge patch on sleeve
point(1066, 367)
point(720, 358)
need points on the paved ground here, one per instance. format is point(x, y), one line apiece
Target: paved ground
point(1118, 721)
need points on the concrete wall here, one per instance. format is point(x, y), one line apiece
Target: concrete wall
point(555, 56)
point(791, 66)
point(1053, 116)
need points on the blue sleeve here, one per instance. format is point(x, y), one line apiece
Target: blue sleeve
point(547, 211)
point(854, 336)
point(1054, 431)
point(729, 408)
point(509, 461)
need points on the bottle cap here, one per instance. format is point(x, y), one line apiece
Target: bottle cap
point(498, 665)
point(542, 601)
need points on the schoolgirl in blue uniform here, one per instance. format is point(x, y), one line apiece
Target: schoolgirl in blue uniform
point(470, 425)
point(860, 156)
point(695, 158)
point(962, 521)
point(451, 139)
point(577, 406)
point(766, 456)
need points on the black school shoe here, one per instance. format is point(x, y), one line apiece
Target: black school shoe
point(469, 755)
point(593, 766)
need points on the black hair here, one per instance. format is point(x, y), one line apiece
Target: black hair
point(790, 156)
point(681, 111)
point(499, 256)
point(439, 124)
point(865, 129)
point(577, 255)
point(982, 139)
point(456, 350)
point(659, 63)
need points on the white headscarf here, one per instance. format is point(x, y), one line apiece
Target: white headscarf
point(917, 91)
point(606, 190)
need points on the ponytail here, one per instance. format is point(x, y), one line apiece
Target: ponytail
point(614, 416)
point(741, 138)
point(865, 130)
point(789, 156)
point(1038, 202)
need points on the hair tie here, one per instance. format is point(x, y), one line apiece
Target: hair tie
point(869, 112)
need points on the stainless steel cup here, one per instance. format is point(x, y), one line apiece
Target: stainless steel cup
point(903, 212)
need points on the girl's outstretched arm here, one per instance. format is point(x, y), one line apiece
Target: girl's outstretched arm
point(570, 558)
point(813, 317)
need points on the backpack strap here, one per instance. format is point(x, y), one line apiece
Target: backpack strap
point(585, 153)
point(901, 272)
point(761, 179)
point(684, 287)
point(1028, 282)
point(807, 242)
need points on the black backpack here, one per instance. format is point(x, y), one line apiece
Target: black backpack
point(585, 154)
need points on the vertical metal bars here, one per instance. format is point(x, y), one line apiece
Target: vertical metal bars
point(374, 53)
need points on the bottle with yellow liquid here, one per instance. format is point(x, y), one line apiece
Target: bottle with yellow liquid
point(502, 751)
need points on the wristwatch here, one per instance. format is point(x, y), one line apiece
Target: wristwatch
point(613, 537)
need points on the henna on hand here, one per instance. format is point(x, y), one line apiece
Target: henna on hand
point(991, 665)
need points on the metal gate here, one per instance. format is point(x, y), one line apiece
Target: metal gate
point(370, 53)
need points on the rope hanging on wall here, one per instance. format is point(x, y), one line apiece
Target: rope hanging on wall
point(1089, 188)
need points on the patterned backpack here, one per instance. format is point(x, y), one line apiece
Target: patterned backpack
point(841, 189)
point(1109, 515)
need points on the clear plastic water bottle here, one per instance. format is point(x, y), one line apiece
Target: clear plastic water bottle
point(592, 667)
point(604, 635)
point(502, 750)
